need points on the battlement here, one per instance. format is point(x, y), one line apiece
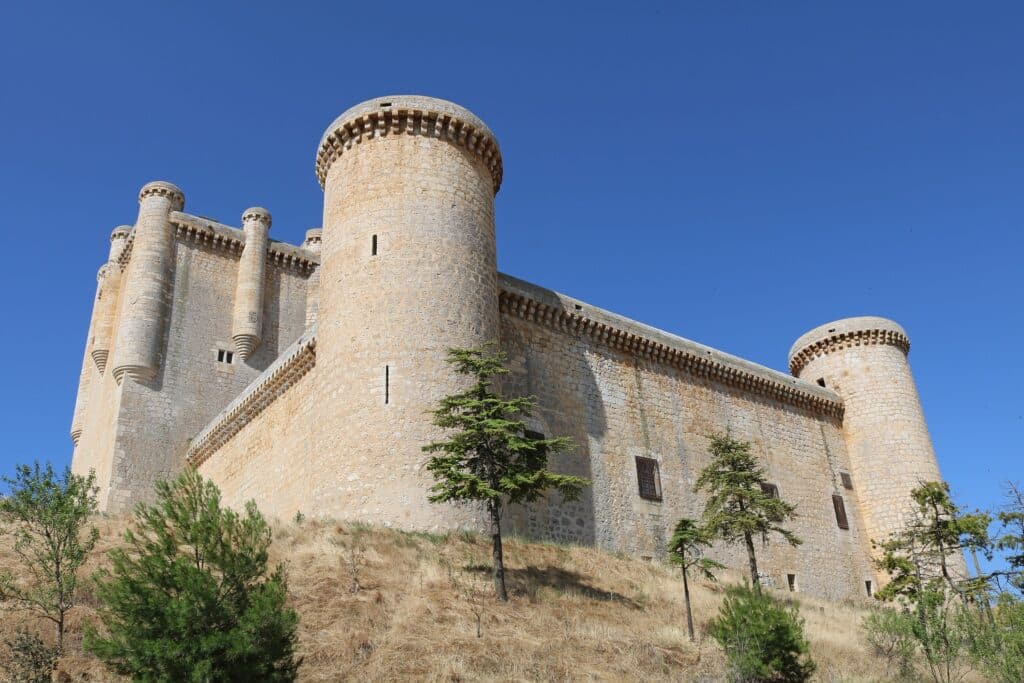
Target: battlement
point(842, 334)
point(409, 115)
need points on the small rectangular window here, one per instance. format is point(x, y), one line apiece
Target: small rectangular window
point(869, 588)
point(373, 246)
point(847, 482)
point(840, 508)
point(648, 478)
point(224, 356)
point(529, 434)
point(791, 580)
point(387, 384)
point(770, 490)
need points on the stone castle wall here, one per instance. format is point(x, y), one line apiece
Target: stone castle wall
point(135, 432)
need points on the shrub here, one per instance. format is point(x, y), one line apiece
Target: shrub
point(890, 635)
point(762, 638)
point(31, 660)
point(191, 597)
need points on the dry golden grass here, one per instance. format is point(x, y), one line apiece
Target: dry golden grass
point(575, 613)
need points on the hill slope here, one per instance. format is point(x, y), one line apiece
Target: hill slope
point(575, 613)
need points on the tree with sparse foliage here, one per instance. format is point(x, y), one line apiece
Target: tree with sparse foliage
point(763, 639)
point(48, 515)
point(30, 660)
point(686, 550)
point(490, 456)
point(1011, 538)
point(738, 508)
point(191, 598)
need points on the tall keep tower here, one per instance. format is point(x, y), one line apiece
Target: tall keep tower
point(864, 360)
point(408, 269)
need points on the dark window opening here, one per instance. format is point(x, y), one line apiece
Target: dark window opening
point(840, 508)
point(847, 481)
point(821, 381)
point(224, 356)
point(770, 490)
point(387, 384)
point(791, 580)
point(869, 588)
point(535, 436)
point(373, 246)
point(385, 104)
point(648, 478)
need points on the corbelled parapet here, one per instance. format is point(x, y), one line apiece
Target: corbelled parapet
point(843, 334)
point(864, 360)
point(409, 115)
point(247, 321)
point(108, 286)
point(137, 348)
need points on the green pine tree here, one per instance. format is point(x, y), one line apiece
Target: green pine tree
point(48, 515)
point(686, 549)
point(1011, 537)
point(738, 508)
point(190, 597)
point(489, 457)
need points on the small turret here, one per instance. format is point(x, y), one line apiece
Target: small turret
point(313, 239)
point(109, 279)
point(864, 360)
point(138, 346)
point(247, 322)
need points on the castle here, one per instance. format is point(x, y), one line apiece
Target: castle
point(299, 375)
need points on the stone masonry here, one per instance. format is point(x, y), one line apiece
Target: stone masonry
point(300, 376)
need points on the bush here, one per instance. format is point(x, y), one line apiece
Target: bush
point(890, 634)
point(998, 648)
point(31, 660)
point(762, 638)
point(191, 598)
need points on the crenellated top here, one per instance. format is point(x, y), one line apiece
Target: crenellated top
point(162, 188)
point(844, 334)
point(256, 214)
point(409, 115)
point(544, 307)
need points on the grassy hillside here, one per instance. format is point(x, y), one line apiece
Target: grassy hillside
point(575, 613)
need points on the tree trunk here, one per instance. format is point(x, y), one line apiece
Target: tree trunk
point(689, 613)
point(499, 563)
point(755, 579)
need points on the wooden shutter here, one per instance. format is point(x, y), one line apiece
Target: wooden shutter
point(648, 478)
point(840, 507)
point(847, 481)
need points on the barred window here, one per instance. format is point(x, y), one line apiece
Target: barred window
point(770, 490)
point(840, 508)
point(648, 478)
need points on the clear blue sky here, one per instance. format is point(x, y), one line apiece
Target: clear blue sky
point(734, 172)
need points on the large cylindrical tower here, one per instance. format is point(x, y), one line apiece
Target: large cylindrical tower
point(408, 269)
point(141, 328)
point(864, 360)
point(247, 321)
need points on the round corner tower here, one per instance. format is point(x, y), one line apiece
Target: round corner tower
point(864, 360)
point(408, 270)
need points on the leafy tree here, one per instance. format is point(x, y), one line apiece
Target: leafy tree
point(737, 507)
point(686, 549)
point(1011, 539)
point(190, 597)
point(489, 456)
point(48, 516)
point(998, 647)
point(762, 638)
point(890, 634)
point(923, 555)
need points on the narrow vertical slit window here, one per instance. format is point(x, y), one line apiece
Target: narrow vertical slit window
point(387, 384)
point(373, 246)
point(791, 580)
point(869, 588)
